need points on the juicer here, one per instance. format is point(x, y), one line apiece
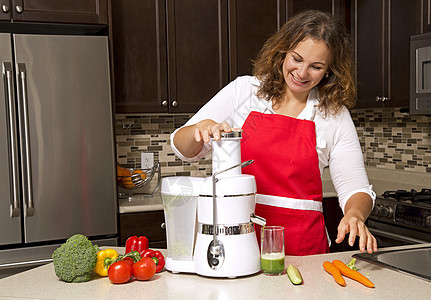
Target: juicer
point(209, 221)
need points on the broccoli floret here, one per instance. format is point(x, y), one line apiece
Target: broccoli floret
point(74, 261)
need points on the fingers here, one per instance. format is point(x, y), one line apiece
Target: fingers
point(366, 240)
point(355, 227)
point(206, 129)
point(352, 235)
point(343, 229)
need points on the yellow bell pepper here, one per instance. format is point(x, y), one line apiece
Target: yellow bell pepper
point(104, 258)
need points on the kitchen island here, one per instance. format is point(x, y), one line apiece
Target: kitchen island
point(41, 283)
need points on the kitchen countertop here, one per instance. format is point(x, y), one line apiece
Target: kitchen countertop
point(381, 179)
point(141, 204)
point(41, 283)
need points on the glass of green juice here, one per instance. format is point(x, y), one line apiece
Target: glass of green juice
point(272, 250)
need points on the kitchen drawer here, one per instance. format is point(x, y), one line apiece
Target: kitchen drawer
point(150, 224)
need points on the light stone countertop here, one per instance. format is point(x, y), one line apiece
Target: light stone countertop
point(381, 179)
point(42, 283)
point(141, 204)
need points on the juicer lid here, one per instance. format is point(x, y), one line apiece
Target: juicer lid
point(234, 134)
point(181, 185)
point(236, 185)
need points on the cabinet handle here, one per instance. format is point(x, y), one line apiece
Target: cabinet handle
point(18, 8)
point(382, 99)
point(174, 103)
point(163, 225)
point(5, 8)
point(164, 103)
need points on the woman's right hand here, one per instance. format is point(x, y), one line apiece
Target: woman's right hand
point(206, 129)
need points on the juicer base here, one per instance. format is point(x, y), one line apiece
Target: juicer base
point(180, 266)
point(241, 255)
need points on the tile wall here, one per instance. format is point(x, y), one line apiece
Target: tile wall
point(151, 133)
point(390, 139)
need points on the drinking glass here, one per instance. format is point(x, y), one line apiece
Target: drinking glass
point(272, 250)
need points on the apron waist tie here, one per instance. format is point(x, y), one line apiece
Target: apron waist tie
point(291, 203)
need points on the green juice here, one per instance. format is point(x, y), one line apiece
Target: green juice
point(272, 263)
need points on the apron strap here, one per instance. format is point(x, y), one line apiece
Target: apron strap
point(291, 203)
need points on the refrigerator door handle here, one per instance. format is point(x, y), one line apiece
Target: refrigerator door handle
point(8, 75)
point(25, 139)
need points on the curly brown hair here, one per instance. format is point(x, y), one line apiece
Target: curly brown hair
point(338, 88)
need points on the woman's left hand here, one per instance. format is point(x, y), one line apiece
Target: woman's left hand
point(353, 223)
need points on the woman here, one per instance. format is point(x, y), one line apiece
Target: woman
point(295, 121)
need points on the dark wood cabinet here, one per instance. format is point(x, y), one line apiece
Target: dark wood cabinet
point(336, 7)
point(150, 224)
point(174, 55)
point(251, 23)
point(139, 55)
point(58, 11)
point(381, 31)
point(426, 15)
point(169, 56)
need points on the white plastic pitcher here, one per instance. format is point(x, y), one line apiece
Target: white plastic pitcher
point(180, 197)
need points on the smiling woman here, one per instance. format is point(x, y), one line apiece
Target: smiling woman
point(295, 122)
point(303, 69)
point(328, 48)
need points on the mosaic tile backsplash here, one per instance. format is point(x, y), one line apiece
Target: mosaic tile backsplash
point(389, 138)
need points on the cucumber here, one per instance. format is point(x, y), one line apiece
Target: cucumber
point(294, 275)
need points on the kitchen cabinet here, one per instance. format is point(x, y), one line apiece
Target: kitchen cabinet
point(336, 7)
point(150, 224)
point(426, 15)
point(251, 23)
point(174, 55)
point(169, 56)
point(58, 11)
point(381, 31)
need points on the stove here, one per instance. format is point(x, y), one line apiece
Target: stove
point(401, 217)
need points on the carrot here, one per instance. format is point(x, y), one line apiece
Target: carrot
point(331, 269)
point(355, 275)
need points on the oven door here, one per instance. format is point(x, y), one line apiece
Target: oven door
point(390, 235)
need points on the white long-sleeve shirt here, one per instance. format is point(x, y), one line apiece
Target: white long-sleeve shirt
point(336, 137)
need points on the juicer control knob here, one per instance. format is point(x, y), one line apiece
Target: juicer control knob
point(214, 262)
point(215, 255)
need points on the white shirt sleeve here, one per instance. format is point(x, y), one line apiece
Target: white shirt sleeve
point(220, 108)
point(346, 163)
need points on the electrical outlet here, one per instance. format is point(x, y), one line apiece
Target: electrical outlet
point(147, 160)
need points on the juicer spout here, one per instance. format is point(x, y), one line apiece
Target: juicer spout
point(257, 220)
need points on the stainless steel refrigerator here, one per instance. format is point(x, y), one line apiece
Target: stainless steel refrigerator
point(57, 162)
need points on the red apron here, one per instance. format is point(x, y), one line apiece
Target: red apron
point(289, 187)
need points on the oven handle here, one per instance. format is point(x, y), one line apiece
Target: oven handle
point(396, 236)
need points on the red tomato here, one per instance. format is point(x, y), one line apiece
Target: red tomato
point(120, 272)
point(129, 260)
point(144, 269)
